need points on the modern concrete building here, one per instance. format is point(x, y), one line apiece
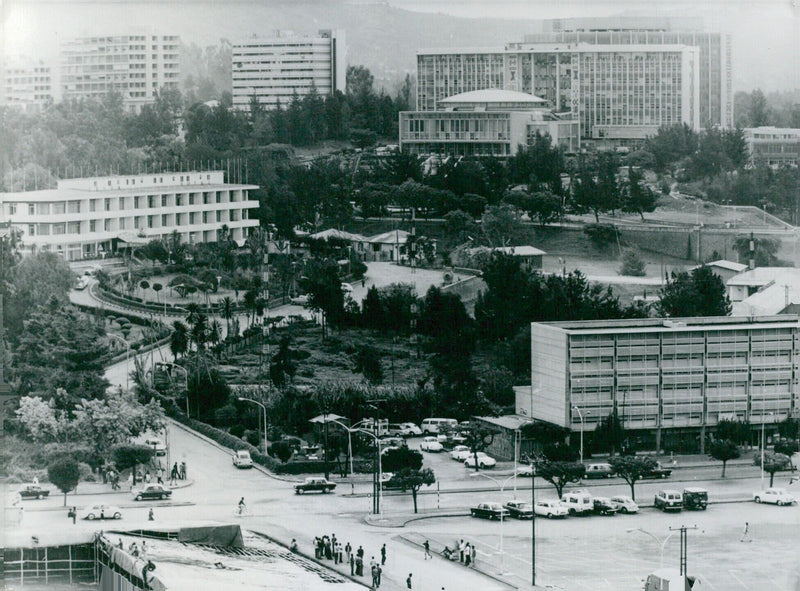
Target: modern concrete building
point(274, 68)
point(617, 92)
point(27, 84)
point(91, 217)
point(764, 291)
point(773, 146)
point(667, 379)
point(485, 123)
point(135, 66)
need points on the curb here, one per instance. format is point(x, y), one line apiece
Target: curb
point(157, 504)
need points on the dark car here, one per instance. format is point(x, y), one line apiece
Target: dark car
point(314, 484)
point(604, 506)
point(33, 491)
point(152, 491)
point(658, 472)
point(519, 509)
point(695, 499)
point(489, 511)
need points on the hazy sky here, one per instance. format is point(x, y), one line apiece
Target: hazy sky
point(766, 33)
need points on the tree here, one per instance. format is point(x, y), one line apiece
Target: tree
point(281, 450)
point(637, 197)
point(157, 287)
point(368, 363)
point(699, 293)
point(789, 428)
point(734, 431)
point(41, 420)
point(758, 112)
point(632, 264)
point(398, 458)
point(723, 450)
point(766, 250)
point(632, 468)
point(412, 480)
point(178, 339)
point(500, 224)
point(129, 456)
point(559, 474)
point(772, 464)
point(609, 434)
point(283, 367)
point(65, 475)
point(478, 438)
point(144, 286)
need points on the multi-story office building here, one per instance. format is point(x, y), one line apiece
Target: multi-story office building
point(135, 66)
point(88, 217)
point(715, 79)
point(617, 92)
point(484, 123)
point(26, 84)
point(773, 146)
point(663, 377)
point(275, 68)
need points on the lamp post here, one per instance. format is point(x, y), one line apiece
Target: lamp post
point(263, 408)
point(349, 430)
point(502, 486)
point(763, 424)
point(580, 416)
point(663, 544)
point(127, 357)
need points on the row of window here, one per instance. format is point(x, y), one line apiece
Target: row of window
point(138, 222)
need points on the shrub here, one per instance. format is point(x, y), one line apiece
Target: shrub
point(252, 437)
point(601, 235)
point(281, 450)
point(632, 264)
point(85, 471)
point(237, 430)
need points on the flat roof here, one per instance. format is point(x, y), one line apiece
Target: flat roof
point(671, 324)
point(69, 194)
point(761, 276)
point(492, 95)
point(511, 422)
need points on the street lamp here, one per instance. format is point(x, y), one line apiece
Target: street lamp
point(580, 415)
point(263, 408)
point(127, 357)
point(502, 486)
point(327, 418)
point(663, 544)
point(763, 423)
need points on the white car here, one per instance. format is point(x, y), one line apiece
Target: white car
point(528, 470)
point(242, 459)
point(430, 444)
point(776, 496)
point(300, 300)
point(484, 461)
point(550, 508)
point(459, 453)
point(411, 428)
point(101, 512)
point(625, 504)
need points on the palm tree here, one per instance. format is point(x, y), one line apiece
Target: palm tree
point(250, 304)
point(145, 285)
point(199, 331)
point(215, 332)
point(179, 339)
point(156, 287)
point(227, 313)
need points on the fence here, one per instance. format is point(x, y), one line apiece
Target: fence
point(74, 563)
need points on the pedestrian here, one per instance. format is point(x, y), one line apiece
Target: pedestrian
point(474, 555)
point(467, 554)
point(147, 477)
point(293, 546)
point(383, 555)
point(408, 581)
point(158, 477)
point(352, 561)
point(348, 550)
point(374, 571)
point(359, 566)
point(379, 570)
point(427, 546)
point(461, 551)
point(340, 552)
point(150, 515)
point(746, 532)
point(183, 470)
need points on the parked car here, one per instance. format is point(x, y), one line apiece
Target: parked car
point(489, 511)
point(519, 509)
point(412, 427)
point(625, 504)
point(783, 461)
point(775, 496)
point(658, 472)
point(152, 491)
point(578, 501)
point(157, 445)
point(528, 470)
point(668, 500)
point(242, 459)
point(314, 484)
point(101, 512)
point(599, 471)
point(81, 282)
point(460, 453)
point(432, 425)
point(483, 460)
point(604, 506)
point(550, 508)
point(390, 482)
point(431, 444)
point(33, 491)
point(398, 430)
point(695, 498)
point(299, 300)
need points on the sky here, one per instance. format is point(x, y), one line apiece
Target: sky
point(766, 33)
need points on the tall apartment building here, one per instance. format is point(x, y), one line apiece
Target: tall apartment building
point(670, 377)
point(773, 146)
point(26, 84)
point(135, 66)
point(88, 217)
point(617, 92)
point(275, 68)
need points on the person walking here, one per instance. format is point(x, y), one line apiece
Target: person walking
point(151, 516)
point(352, 561)
point(383, 555)
point(375, 581)
point(183, 471)
point(427, 546)
point(348, 551)
point(474, 555)
point(379, 570)
point(746, 532)
point(408, 581)
point(467, 554)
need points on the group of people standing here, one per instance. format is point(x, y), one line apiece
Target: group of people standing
point(178, 472)
point(328, 547)
point(465, 551)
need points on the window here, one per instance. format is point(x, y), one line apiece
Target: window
point(93, 205)
point(31, 209)
point(108, 204)
point(93, 225)
point(107, 225)
point(150, 221)
point(31, 230)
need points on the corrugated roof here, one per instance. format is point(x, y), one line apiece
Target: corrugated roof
point(391, 237)
point(730, 265)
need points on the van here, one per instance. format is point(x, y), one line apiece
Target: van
point(429, 426)
point(578, 502)
point(599, 471)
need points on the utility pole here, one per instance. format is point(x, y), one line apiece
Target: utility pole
point(376, 481)
point(684, 547)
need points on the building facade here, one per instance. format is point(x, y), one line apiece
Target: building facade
point(91, 217)
point(617, 92)
point(663, 376)
point(27, 84)
point(274, 68)
point(773, 146)
point(484, 123)
point(135, 66)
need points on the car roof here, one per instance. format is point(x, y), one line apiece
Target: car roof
point(669, 491)
point(694, 489)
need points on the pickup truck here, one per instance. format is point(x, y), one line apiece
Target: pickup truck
point(314, 484)
point(33, 491)
point(490, 511)
point(658, 472)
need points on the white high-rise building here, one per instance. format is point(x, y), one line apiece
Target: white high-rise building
point(135, 66)
point(274, 68)
point(26, 84)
